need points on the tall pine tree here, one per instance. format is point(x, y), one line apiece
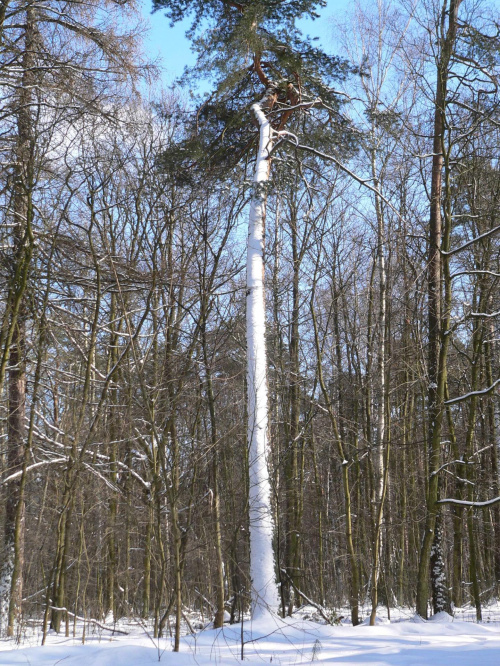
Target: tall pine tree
point(264, 73)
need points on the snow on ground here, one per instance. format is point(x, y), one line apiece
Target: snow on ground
point(405, 641)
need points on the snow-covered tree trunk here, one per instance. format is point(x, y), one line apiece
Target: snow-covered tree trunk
point(440, 596)
point(265, 596)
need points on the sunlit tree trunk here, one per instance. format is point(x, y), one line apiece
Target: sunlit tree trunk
point(381, 458)
point(262, 565)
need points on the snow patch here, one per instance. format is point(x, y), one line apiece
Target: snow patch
point(406, 641)
point(442, 616)
point(378, 620)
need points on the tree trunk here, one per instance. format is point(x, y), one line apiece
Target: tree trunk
point(292, 472)
point(14, 344)
point(344, 464)
point(11, 581)
point(219, 612)
point(265, 596)
point(381, 462)
point(438, 312)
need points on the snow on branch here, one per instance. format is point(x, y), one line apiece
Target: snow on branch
point(19, 473)
point(480, 505)
point(484, 314)
point(482, 392)
point(475, 272)
point(452, 462)
point(474, 240)
point(285, 136)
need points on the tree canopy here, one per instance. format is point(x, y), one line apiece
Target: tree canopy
point(247, 50)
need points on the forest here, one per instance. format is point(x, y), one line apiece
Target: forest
point(250, 337)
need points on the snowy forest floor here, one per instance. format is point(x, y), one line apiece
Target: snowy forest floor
point(405, 640)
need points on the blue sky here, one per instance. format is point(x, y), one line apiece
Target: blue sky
point(173, 47)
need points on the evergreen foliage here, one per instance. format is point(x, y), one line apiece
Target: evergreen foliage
point(245, 49)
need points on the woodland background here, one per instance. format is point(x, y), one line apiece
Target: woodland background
point(123, 454)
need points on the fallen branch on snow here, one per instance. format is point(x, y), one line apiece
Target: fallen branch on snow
point(92, 621)
point(319, 608)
